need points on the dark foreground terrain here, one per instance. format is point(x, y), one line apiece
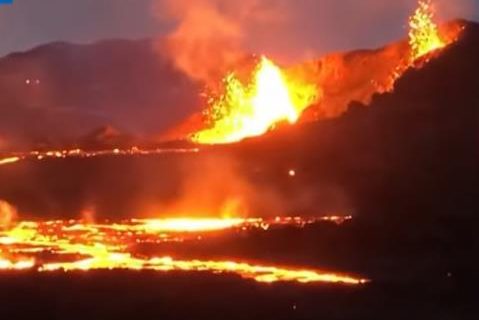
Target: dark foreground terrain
point(131, 295)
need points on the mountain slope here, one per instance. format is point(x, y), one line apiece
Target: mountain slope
point(60, 91)
point(341, 78)
point(411, 153)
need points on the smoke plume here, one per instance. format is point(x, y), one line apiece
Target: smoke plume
point(209, 35)
point(8, 213)
point(218, 186)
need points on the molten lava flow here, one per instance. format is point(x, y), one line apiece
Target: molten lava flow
point(77, 246)
point(9, 160)
point(7, 264)
point(78, 153)
point(251, 110)
point(268, 274)
point(194, 225)
point(424, 34)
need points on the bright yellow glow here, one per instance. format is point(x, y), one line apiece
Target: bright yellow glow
point(251, 110)
point(424, 39)
point(259, 273)
point(6, 264)
point(77, 246)
point(424, 34)
point(9, 160)
point(192, 225)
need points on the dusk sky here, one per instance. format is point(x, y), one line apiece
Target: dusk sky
point(312, 27)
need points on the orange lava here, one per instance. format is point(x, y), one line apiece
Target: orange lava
point(424, 36)
point(249, 110)
point(9, 160)
point(78, 153)
point(77, 246)
point(6, 264)
point(425, 39)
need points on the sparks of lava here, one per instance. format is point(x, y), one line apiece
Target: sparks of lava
point(424, 34)
point(425, 38)
point(251, 110)
point(78, 246)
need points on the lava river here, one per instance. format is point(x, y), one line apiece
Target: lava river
point(79, 246)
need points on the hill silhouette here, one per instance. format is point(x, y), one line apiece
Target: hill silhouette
point(58, 92)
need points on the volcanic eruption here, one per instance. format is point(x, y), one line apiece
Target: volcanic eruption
point(250, 102)
point(250, 110)
point(275, 94)
point(424, 36)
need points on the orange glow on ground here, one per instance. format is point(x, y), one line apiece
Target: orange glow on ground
point(6, 264)
point(195, 225)
point(77, 246)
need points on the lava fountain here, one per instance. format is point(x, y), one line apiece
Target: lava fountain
point(425, 39)
point(424, 36)
point(251, 110)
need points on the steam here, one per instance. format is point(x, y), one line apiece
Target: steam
point(209, 36)
point(8, 214)
point(222, 186)
point(88, 214)
point(218, 186)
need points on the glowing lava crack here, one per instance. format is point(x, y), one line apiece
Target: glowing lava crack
point(75, 246)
